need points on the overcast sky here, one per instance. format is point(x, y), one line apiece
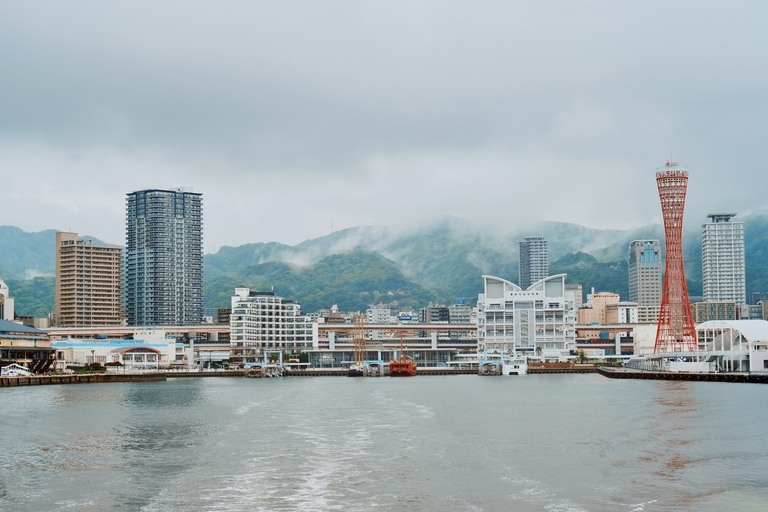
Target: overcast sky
point(295, 118)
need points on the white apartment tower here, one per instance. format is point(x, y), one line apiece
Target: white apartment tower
point(534, 260)
point(722, 259)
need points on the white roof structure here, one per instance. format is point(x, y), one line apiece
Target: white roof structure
point(737, 339)
point(729, 346)
point(753, 330)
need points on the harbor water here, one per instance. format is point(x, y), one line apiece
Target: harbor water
point(444, 443)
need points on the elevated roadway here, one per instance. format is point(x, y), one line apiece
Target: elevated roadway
point(118, 332)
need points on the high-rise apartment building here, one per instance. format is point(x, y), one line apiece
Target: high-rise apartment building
point(645, 284)
point(89, 282)
point(534, 260)
point(164, 257)
point(722, 259)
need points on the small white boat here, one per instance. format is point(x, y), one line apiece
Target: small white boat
point(15, 370)
point(515, 365)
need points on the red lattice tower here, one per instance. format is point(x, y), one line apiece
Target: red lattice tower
point(675, 331)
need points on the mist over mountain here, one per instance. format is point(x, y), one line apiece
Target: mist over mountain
point(446, 258)
point(402, 266)
point(26, 255)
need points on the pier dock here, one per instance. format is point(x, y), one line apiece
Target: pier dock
point(85, 378)
point(629, 373)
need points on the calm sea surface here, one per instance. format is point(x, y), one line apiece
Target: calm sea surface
point(536, 442)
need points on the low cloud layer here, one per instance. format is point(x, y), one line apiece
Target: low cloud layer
point(295, 119)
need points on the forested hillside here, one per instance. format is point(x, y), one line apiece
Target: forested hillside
point(26, 255)
point(403, 268)
point(353, 281)
point(32, 297)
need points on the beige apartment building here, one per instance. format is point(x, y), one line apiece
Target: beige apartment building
point(89, 282)
point(604, 308)
point(595, 310)
point(720, 310)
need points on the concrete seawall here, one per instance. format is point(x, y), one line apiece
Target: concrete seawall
point(86, 378)
point(628, 373)
point(342, 372)
point(195, 374)
point(610, 372)
point(570, 369)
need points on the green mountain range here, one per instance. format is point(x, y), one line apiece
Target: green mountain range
point(400, 267)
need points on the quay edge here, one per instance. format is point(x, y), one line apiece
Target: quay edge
point(629, 373)
point(87, 378)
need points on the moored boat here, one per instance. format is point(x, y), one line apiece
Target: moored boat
point(15, 370)
point(356, 371)
point(268, 371)
point(402, 368)
point(517, 365)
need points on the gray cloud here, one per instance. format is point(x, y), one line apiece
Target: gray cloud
point(295, 118)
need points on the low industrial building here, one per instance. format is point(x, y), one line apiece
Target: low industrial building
point(153, 351)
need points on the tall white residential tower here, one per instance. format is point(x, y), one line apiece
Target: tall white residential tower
point(722, 259)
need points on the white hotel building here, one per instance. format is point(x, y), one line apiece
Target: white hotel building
point(538, 321)
point(263, 321)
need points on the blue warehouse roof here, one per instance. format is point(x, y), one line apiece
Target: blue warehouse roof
point(6, 327)
point(117, 344)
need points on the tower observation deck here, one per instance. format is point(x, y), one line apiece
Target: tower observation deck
point(675, 331)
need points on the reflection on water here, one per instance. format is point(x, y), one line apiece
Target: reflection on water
point(555, 443)
point(154, 395)
point(680, 448)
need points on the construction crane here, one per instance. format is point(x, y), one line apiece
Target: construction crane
point(358, 340)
